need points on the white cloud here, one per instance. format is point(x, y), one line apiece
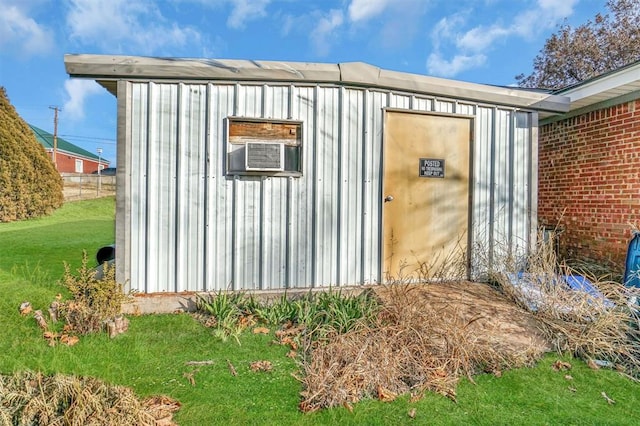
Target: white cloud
point(446, 29)
point(325, 30)
point(543, 16)
point(78, 91)
point(471, 45)
point(479, 38)
point(242, 11)
point(246, 10)
point(289, 23)
point(437, 65)
point(21, 33)
point(126, 25)
point(362, 10)
point(557, 8)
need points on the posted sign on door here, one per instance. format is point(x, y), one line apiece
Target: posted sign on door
point(431, 168)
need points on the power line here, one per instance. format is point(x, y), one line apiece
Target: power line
point(89, 138)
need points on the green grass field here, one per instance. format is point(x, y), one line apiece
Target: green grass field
point(150, 357)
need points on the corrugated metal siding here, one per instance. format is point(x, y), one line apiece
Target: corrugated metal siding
point(350, 173)
point(137, 168)
point(219, 263)
point(301, 198)
point(520, 241)
point(192, 228)
point(191, 186)
point(502, 176)
point(161, 199)
point(482, 215)
point(374, 103)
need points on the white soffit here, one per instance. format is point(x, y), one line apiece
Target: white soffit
point(107, 69)
point(603, 88)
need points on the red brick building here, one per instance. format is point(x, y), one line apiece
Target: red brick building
point(68, 157)
point(589, 167)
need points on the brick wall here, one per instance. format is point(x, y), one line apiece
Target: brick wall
point(67, 163)
point(589, 181)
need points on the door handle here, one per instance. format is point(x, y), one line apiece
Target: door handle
point(388, 198)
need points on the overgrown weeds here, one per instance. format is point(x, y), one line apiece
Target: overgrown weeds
point(30, 398)
point(442, 265)
point(592, 317)
point(413, 346)
point(94, 301)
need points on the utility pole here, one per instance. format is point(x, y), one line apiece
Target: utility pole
point(55, 134)
point(99, 170)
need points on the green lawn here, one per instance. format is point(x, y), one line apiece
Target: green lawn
point(151, 356)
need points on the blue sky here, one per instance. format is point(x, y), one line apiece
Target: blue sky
point(482, 41)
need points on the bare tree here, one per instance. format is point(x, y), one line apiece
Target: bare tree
point(572, 55)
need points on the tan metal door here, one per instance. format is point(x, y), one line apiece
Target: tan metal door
point(426, 195)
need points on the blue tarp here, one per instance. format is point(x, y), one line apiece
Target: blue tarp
point(532, 292)
point(580, 283)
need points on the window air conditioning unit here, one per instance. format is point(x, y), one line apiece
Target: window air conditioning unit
point(263, 156)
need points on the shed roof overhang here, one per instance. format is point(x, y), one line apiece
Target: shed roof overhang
point(608, 89)
point(108, 69)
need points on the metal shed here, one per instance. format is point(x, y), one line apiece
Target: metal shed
point(250, 175)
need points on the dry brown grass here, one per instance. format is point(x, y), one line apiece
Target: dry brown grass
point(592, 330)
point(441, 265)
point(413, 347)
point(33, 398)
point(587, 326)
point(419, 345)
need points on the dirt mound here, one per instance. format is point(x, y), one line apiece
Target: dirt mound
point(490, 317)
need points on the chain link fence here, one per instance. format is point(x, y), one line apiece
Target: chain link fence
point(85, 186)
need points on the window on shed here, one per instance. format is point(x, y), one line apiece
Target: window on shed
point(79, 166)
point(264, 147)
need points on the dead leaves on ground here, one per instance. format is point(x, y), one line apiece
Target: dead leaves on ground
point(64, 338)
point(385, 395)
point(265, 366)
point(25, 308)
point(39, 317)
point(292, 354)
point(289, 336)
point(561, 366)
point(161, 409)
point(69, 340)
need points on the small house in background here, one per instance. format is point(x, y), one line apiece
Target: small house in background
point(257, 175)
point(589, 167)
point(68, 157)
